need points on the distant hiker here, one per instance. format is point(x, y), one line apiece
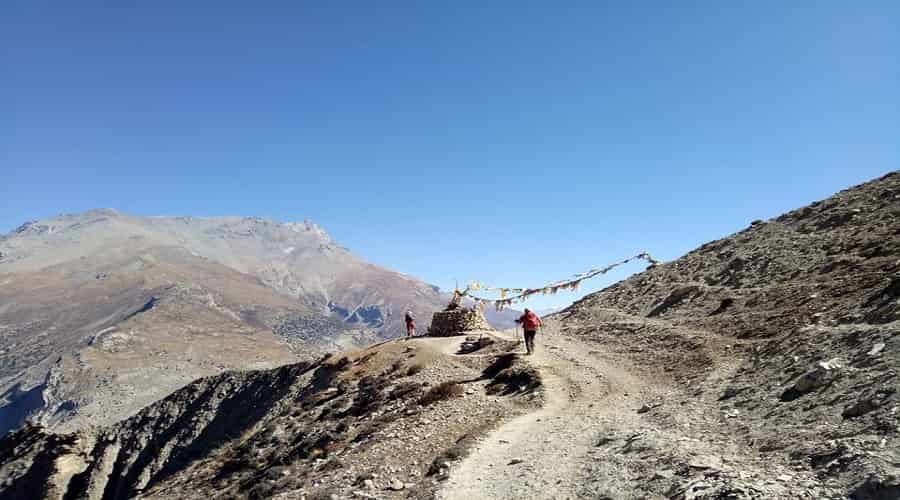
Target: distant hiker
point(410, 324)
point(530, 323)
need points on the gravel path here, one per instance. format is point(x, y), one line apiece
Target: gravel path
point(544, 454)
point(607, 431)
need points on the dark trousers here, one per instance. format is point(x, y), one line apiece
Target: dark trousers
point(529, 340)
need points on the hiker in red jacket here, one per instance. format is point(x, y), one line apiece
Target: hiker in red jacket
point(530, 323)
point(410, 324)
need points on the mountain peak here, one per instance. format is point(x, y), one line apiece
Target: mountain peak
point(308, 226)
point(103, 212)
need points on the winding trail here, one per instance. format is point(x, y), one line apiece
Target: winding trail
point(544, 454)
point(608, 430)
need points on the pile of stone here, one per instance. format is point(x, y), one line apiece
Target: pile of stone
point(457, 321)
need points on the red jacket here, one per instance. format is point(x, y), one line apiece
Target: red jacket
point(530, 321)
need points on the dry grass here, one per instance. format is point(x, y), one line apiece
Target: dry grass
point(370, 395)
point(473, 345)
point(442, 392)
point(404, 390)
point(343, 363)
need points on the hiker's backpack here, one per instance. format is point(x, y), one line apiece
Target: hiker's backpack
point(531, 321)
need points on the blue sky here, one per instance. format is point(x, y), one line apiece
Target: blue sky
point(514, 143)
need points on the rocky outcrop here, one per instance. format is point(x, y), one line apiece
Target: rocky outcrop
point(824, 373)
point(120, 461)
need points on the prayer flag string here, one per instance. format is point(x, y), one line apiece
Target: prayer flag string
point(522, 294)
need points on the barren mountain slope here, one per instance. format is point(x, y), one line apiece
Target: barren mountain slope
point(384, 421)
point(297, 259)
point(102, 313)
point(80, 349)
point(798, 323)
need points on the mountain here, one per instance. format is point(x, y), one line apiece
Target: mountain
point(102, 313)
point(785, 340)
point(503, 319)
point(761, 365)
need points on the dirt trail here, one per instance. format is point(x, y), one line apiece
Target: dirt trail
point(553, 443)
point(609, 430)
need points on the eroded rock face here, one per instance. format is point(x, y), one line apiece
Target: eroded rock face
point(120, 461)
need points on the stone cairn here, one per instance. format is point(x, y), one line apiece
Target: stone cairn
point(456, 320)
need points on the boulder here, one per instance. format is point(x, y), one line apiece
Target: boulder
point(876, 349)
point(822, 374)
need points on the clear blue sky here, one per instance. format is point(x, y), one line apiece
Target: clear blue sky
point(514, 143)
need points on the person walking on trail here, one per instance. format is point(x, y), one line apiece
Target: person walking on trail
point(530, 324)
point(410, 324)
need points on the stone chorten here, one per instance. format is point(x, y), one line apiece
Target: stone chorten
point(457, 320)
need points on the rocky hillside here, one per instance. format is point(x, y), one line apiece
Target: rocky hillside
point(385, 421)
point(102, 313)
point(789, 330)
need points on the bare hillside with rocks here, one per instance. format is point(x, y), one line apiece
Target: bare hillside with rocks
point(382, 422)
point(787, 332)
